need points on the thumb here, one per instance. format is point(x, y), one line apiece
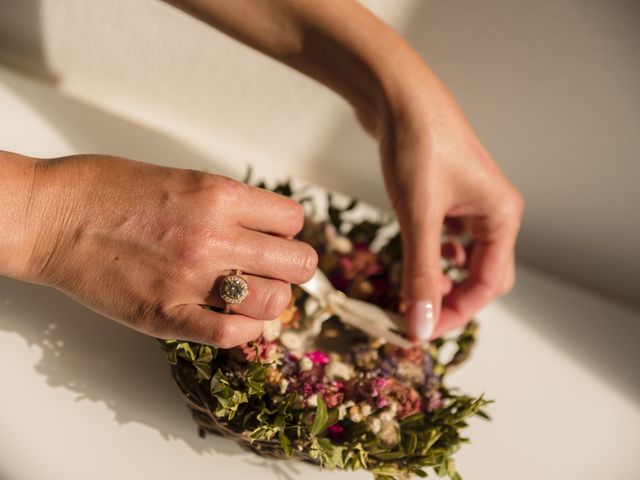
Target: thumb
point(422, 277)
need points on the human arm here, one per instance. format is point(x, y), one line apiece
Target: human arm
point(147, 245)
point(434, 165)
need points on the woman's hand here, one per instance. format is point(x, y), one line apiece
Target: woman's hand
point(434, 166)
point(436, 169)
point(145, 245)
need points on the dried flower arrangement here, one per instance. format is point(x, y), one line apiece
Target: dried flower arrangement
point(324, 392)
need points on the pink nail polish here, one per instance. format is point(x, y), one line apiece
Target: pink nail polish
point(422, 319)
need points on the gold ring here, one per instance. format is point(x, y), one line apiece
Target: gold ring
point(233, 289)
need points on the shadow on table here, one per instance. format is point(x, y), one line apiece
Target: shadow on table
point(103, 361)
point(603, 335)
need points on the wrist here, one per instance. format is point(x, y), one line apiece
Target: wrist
point(16, 180)
point(389, 85)
point(52, 219)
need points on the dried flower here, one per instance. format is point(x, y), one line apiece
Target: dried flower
point(408, 400)
point(335, 432)
point(389, 433)
point(355, 415)
point(305, 364)
point(374, 424)
point(339, 370)
point(365, 409)
point(271, 330)
point(318, 357)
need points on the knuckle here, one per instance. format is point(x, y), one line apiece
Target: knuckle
point(275, 302)
point(226, 191)
point(224, 334)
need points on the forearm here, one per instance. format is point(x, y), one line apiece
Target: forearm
point(16, 180)
point(337, 42)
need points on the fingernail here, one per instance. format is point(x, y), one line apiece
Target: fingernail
point(422, 319)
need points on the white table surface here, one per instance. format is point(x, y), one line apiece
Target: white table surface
point(82, 397)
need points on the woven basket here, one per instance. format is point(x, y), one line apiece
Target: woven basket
point(200, 402)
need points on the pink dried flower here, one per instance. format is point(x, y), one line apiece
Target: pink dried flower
point(380, 382)
point(331, 394)
point(259, 346)
point(409, 401)
point(318, 357)
point(340, 385)
point(307, 389)
point(333, 399)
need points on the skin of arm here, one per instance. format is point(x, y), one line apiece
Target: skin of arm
point(16, 180)
point(435, 167)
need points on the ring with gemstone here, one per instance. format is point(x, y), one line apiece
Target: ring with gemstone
point(233, 289)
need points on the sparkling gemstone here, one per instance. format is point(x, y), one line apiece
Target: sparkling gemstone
point(233, 289)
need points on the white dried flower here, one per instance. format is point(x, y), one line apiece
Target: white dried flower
point(292, 341)
point(340, 244)
point(393, 407)
point(273, 354)
point(271, 330)
point(342, 411)
point(365, 409)
point(284, 384)
point(337, 369)
point(374, 424)
point(305, 364)
point(411, 371)
point(386, 416)
point(389, 433)
point(312, 401)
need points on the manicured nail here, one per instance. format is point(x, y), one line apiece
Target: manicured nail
point(422, 319)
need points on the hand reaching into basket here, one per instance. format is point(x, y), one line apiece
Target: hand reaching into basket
point(434, 166)
point(129, 239)
point(147, 245)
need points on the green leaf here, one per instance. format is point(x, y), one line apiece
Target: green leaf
point(203, 370)
point(390, 455)
point(285, 443)
point(412, 443)
point(321, 420)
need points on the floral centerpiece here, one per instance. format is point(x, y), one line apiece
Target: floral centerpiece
point(316, 389)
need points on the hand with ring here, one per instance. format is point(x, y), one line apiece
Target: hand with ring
point(148, 246)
